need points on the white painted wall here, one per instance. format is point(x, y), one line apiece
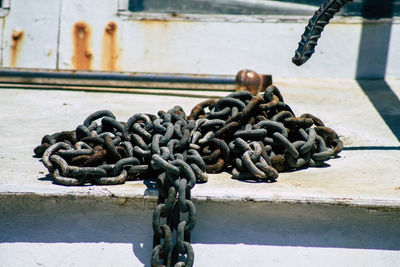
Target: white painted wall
point(38, 46)
point(393, 69)
point(195, 44)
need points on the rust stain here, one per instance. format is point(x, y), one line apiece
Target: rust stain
point(157, 24)
point(16, 39)
point(110, 54)
point(82, 58)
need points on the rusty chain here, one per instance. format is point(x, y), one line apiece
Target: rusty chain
point(255, 137)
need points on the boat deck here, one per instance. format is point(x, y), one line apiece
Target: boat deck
point(358, 191)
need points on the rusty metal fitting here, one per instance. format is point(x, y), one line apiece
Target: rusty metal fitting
point(248, 80)
point(111, 27)
point(251, 81)
point(17, 34)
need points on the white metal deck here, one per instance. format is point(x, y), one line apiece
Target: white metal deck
point(346, 214)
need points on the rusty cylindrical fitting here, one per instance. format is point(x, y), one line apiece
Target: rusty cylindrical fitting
point(248, 80)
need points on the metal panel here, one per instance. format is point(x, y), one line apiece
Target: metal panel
point(104, 36)
point(30, 34)
point(90, 35)
point(225, 47)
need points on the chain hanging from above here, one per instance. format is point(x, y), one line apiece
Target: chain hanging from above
point(254, 137)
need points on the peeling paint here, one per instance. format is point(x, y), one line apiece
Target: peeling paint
point(16, 39)
point(82, 57)
point(110, 53)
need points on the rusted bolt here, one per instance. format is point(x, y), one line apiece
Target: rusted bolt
point(88, 54)
point(248, 80)
point(81, 29)
point(17, 34)
point(16, 40)
point(111, 27)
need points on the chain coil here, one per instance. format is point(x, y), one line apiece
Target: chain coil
point(255, 137)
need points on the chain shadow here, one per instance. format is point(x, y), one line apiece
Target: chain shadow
point(257, 181)
point(48, 177)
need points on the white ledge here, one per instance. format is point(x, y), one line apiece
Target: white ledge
point(361, 177)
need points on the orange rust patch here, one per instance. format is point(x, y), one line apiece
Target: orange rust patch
point(110, 52)
point(82, 58)
point(16, 39)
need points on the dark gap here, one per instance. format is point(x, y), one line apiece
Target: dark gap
point(377, 8)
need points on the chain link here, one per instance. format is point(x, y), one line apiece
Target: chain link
point(255, 136)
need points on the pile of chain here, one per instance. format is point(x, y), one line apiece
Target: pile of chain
point(253, 136)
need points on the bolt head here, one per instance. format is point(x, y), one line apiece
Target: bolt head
point(248, 80)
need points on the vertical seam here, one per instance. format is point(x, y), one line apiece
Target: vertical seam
point(58, 35)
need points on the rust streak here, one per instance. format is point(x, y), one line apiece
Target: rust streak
point(16, 39)
point(110, 54)
point(82, 58)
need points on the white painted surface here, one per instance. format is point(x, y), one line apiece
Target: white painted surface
point(240, 224)
point(96, 15)
point(38, 47)
point(210, 255)
point(394, 57)
point(120, 254)
point(67, 254)
point(197, 43)
point(30, 114)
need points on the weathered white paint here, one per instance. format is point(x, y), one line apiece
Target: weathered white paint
point(216, 47)
point(345, 109)
point(394, 55)
point(122, 254)
point(209, 44)
point(343, 215)
point(38, 46)
point(96, 15)
point(240, 224)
